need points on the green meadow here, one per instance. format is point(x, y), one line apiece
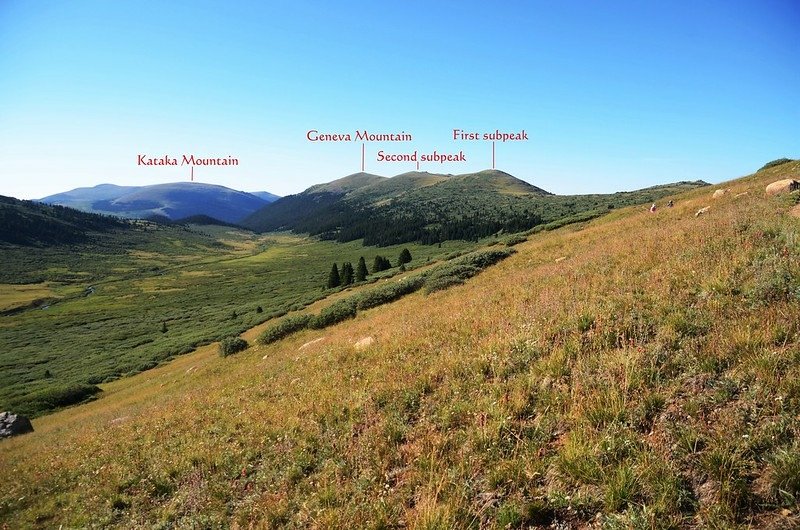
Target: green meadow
point(87, 314)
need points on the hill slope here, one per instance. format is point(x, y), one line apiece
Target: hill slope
point(30, 223)
point(174, 201)
point(638, 371)
point(429, 208)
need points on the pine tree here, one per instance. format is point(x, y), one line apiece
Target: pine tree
point(361, 270)
point(347, 273)
point(333, 278)
point(405, 257)
point(381, 264)
point(163, 327)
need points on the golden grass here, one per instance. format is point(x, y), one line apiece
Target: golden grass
point(14, 296)
point(648, 380)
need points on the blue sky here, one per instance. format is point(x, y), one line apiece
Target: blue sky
point(613, 95)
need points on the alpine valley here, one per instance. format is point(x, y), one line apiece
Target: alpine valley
point(511, 358)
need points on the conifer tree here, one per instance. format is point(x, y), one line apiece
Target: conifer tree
point(361, 270)
point(333, 278)
point(381, 264)
point(405, 257)
point(347, 273)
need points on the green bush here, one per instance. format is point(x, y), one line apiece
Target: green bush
point(572, 219)
point(232, 345)
point(774, 163)
point(57, 397)
point(440, 284)
point(448, 275)
point(459, 270)
point(389, 293)
point(514, 239)
point(284, 328)
point(334, 313)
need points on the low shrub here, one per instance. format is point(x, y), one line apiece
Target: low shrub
point(334, 313)
point(57, 397)
point(231, 345)
point(389, 293)
point(514, 239)
point(459, 270)
point(778, 162)
point(284, 328)
point(440, 284)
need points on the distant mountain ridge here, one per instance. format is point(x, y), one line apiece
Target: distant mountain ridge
point(31, 223)
point(174, 200)
point(265, 195)
point(431, 207)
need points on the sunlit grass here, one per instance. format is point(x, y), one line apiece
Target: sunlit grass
point(647, 380)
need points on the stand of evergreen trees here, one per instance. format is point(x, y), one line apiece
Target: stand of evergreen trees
point(33, 223)
point(381, 264)
point(348, 275)
point(433, 214)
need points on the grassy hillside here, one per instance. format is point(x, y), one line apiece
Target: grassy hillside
point(429, 208)
point(636, 371)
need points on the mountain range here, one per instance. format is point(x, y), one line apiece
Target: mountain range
point(415, 206)
point(430, 208)
point(174, 201)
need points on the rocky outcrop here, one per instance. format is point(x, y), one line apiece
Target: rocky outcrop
point(783, 186)
point(13, 424)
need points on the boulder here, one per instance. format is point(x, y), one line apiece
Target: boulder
point(701, 211)
point(720, 193)
point(783, 186)
point(13, 424)
point(364, 343)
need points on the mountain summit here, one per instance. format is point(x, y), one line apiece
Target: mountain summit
point(431, 207)
point(174, 201)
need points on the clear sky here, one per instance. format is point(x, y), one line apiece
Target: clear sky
point(613, 95)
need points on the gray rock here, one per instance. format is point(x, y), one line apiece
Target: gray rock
point(13, 424)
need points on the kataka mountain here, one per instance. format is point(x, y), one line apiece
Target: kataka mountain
point(174, 201)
